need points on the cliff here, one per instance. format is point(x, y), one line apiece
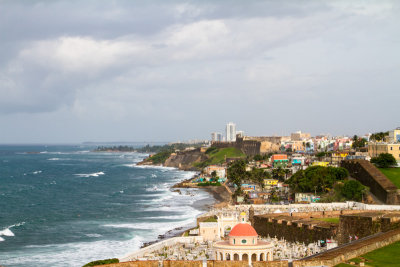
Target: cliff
point(185, 160)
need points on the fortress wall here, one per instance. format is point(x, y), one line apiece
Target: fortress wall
point(292, 231)
point(369, 175)
point(353, 250)
point(366, 224)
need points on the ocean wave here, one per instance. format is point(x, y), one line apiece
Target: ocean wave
point(54, 159)
point(162, 168)
point(36, 172)
point(93, 235)
point(7, 231)
point(86, 175)
point(71, 254)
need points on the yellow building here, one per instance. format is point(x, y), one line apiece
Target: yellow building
point(320, 163)
point(376, 148)
point(394, 135)
point(270, 182)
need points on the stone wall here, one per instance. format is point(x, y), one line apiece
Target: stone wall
point(352, 250)
point(366, 224)
point(369, 175)
point(293, 230)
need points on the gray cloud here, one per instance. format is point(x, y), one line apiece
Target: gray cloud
point(153, 68)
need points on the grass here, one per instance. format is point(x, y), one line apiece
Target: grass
point(329, 220)
point(217, 156)
point(393, 174)
point(387, 256)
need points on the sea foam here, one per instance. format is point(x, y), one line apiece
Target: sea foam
point(86, 175)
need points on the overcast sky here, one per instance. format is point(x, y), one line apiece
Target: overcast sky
point(73, 71)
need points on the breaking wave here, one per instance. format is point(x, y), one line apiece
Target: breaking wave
point(86, 175)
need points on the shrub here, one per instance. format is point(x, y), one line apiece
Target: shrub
point(384, 160)
point(101, 262)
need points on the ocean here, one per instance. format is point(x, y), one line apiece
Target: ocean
point(67, 206)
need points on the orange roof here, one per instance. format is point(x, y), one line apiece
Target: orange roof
point(243, 229)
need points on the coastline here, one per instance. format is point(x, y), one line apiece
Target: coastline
point(218, 195)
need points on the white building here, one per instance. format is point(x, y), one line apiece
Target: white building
point(231, 132)
point(216, 137)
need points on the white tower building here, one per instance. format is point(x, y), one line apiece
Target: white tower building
point(231, 132)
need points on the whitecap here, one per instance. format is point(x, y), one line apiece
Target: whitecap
point(86, 175)
point(93, 235)
point(6, 232)
point(1, 239)
point(37, 172)
point(54, 159)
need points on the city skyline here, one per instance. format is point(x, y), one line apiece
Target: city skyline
point(164, 71)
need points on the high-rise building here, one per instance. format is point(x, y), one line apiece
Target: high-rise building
point(231, 132)
point(216, 137)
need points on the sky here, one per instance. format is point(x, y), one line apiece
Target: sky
point(75, 71)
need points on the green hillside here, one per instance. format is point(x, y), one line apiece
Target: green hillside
point(218, 155)
point(393, 174)
point(386, 256)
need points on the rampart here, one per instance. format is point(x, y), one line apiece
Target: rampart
point(369, 175)
point(365, 224)
point(344, 253)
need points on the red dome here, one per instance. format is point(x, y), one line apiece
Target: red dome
point(243, 229)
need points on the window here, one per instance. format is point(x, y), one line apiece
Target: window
point(244, 241)
point(234, 241)
point(391, 148)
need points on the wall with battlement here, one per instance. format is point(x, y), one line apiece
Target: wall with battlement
point(369, 175)
point(296, 227)
point(366, 223)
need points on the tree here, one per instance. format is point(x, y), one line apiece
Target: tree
point(237, 172)
point(316, 178)
point(384, 160)
point(258, 157)
point(352, 190)
point(213, 174)
point(320, 155)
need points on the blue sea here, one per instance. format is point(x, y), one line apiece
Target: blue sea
point(67, 206)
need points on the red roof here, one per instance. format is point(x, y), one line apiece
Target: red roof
point(243, 229)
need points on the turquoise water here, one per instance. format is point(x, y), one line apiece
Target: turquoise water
point(66, 206)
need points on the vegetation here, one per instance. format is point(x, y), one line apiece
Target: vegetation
point(320, 155)
point(218, 156)
point(384, 160)
point(101, 262)
point(237, 174)
point(353, 190)
point(316, 178)
point(393, 174)
point(160, 157)
point(379, 136)
point(387, 256)
point(147, 148)
point(329, 220)
point(359, 142)
point(211, 219)
point(209, 184)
